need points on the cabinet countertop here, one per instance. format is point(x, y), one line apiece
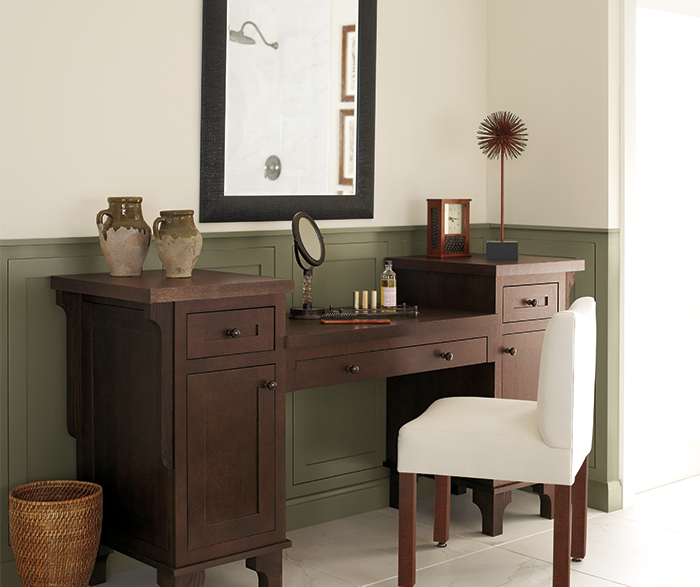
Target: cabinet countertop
point(152, 287)
point(480, 265)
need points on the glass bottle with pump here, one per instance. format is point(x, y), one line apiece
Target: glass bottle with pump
point(388, 292)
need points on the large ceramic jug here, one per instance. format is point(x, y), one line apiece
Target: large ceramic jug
point(124, 236)
point(178, 242)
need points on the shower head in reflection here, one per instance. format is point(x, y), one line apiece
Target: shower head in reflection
point(240, 37)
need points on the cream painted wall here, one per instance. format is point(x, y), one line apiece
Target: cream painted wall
point(548, 62)
point(102, 98)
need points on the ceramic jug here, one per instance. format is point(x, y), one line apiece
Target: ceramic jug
point(124, 236)
point(178, 242)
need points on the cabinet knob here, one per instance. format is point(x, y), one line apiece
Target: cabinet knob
point(271, 385)
point(354, 369)
point(447, 356)
point(512, 351)
point(233, 332)
point(533, 302)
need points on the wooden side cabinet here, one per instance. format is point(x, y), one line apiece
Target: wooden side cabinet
point(176, 399)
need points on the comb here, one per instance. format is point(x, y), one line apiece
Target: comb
point(335, 320)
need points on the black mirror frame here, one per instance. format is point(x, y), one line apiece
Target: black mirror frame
point(214, 206)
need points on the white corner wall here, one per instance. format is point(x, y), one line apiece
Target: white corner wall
point(548, 63)
point(103, 98)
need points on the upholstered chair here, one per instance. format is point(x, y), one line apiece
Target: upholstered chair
point(546, 441)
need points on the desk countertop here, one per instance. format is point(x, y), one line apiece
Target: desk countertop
point(431, 324)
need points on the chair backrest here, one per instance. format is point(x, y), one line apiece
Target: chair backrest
point(567, 379)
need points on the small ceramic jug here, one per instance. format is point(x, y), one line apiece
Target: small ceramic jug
point(124, 236)
point(178, 242)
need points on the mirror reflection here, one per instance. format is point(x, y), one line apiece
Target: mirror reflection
point(310, 238)
point(290, 97)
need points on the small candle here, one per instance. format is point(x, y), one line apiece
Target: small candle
point(373, 300)
point(356, 300)
point(365, 299)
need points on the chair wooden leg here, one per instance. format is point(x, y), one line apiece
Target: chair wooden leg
point(407, 529)
point(580, 514)
point(562, 536)
point(441, 517)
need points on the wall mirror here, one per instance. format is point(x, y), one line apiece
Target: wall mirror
point(288, 109)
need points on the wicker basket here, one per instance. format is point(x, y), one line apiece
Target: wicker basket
point(55, 531)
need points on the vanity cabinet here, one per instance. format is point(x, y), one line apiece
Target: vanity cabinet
point(176, 400)
point(522, 295)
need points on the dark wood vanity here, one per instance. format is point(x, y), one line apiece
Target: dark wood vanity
point(177, 392)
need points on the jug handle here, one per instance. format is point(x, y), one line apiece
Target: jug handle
point(156, 224)
point(100, 224)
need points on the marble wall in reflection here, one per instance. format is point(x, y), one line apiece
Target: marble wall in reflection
point(278, 100)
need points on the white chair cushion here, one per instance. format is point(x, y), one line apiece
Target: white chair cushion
point(484, 438)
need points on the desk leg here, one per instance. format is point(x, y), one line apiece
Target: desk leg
point(492, 507)
point(546, 493)
point(165, 579)
point(268, 567)
point(99, 573)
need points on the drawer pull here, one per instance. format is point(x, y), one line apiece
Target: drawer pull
point(533, 303)
point(233, 332)
point(447, 356)
point(271, 385)
point(512, 351)
point(354, 369)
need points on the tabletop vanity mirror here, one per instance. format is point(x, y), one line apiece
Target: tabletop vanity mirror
point(288, 109)
point(310, 252)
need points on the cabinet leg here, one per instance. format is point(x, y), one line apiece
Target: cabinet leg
point(546, 493)
point(166, 579)
point(492, 507)
point(99, 573)
point(268, 567)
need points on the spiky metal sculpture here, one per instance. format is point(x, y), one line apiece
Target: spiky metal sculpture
point(502, 134)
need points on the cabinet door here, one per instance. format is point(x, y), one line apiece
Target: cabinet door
point(521, 369)
point(230, 455)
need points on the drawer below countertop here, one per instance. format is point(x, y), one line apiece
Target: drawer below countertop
point(347, 368)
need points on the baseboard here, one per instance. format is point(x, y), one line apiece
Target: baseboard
point(326, 506)
point(605, 496)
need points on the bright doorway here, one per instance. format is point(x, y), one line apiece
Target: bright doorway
point(661, 237)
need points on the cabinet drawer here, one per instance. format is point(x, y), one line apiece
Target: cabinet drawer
point(230, 332)
point(530, 302)
point(388, 363)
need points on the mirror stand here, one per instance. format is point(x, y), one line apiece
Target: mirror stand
point(309, 247)
point(307, 310)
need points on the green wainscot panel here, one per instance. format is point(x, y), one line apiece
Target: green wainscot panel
point(337, 431)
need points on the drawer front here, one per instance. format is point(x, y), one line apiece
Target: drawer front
point(230, 332)
point(362, 366)
point(530, 302)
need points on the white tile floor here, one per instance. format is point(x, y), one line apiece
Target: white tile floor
point(653, 544)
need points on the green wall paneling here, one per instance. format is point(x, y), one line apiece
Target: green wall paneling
point(337, 431)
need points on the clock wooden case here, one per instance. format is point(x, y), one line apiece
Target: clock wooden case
point(448, 228)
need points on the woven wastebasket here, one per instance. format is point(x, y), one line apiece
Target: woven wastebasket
point(55, 531)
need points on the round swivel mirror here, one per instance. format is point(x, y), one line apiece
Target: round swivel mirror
point(308, 242)
point(309, 248)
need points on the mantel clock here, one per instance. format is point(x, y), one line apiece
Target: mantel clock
point(448, 228)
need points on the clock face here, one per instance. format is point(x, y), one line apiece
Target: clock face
point(454, 219)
